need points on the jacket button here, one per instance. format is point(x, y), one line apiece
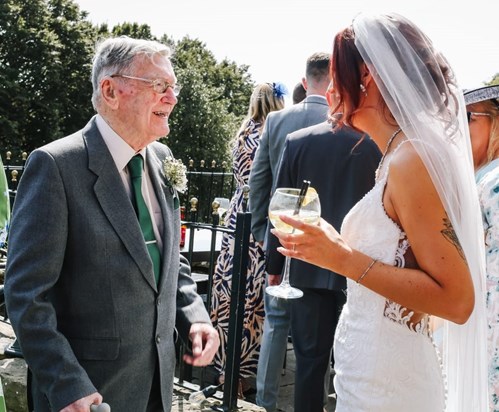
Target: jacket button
point(158, 301)
point(158, 339)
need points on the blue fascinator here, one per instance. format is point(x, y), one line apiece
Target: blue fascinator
point(279, 90)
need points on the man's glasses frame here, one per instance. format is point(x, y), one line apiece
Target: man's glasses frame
point(159, 86)
point(469, 115)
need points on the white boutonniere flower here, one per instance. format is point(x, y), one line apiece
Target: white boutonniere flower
point(175, 173)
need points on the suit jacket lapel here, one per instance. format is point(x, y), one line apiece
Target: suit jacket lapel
point(114, 200)
point(164, 194)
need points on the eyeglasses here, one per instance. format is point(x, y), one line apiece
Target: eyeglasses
point(471, 114)
point(158, 85)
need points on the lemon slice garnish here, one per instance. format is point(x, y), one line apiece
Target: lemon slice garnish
point(310, 196)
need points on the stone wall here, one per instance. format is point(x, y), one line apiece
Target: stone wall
point(13, 374)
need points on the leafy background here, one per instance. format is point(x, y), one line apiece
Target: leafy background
point(46, 49)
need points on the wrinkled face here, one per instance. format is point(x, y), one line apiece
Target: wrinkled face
point(142, 110)
point(480, 133)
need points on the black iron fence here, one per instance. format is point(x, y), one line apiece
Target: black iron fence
point(13, 165)
point(204, 183)
point(194, 253)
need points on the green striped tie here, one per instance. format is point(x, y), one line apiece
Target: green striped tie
point(135, 167)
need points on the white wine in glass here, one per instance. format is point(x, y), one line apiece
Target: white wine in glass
point(307, 208)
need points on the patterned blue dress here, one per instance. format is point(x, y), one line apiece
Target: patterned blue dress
point(243, 154)
point(487, 179)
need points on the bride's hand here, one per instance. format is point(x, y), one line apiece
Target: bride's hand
point(319, 244)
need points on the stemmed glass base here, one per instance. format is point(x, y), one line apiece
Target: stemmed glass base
point(284, 292)
point(303, 204)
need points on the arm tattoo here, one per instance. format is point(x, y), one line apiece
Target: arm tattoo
point(451, 236)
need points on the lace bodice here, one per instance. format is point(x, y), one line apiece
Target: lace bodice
point(390, 246)
point(383, 361)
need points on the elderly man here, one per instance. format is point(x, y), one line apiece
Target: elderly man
point(95, 282)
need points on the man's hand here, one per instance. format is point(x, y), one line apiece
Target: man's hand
point(273, 280)
point(205, 343)
point(83, 404)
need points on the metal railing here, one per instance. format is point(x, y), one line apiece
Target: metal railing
point(238, 293)
point(203, 183)
point(13, 170)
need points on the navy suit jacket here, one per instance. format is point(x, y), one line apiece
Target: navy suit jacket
point(278, 125)
point(341, 168)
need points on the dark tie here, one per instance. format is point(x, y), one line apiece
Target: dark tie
point(135, 167)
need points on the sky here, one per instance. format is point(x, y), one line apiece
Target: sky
point(275, 37)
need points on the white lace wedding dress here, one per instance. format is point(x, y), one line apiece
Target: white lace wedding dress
point(383, 362)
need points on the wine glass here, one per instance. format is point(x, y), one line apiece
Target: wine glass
point(286, 201)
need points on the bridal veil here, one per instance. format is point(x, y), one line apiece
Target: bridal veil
point(419, 88)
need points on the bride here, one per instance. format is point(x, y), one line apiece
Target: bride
point(412, 248)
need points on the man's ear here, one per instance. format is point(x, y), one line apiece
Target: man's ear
point(304, 83)
point(108, 93)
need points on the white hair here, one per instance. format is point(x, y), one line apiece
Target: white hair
point(117, 54)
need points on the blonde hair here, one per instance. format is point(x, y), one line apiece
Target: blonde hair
point(490, 107)
point(263, 101)
point(493, 149)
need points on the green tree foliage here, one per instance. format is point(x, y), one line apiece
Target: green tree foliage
point(45, 61)
point(213, 100)
point(494, 81)
point(200, 125)
point(46, 49)
point(235, 81)
point(134, 30)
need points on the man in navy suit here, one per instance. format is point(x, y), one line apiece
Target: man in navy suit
point(340, 165)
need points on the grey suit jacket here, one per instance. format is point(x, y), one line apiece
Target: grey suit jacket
point(80, 287)
point(278, 125)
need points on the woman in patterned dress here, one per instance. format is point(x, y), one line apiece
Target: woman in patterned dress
point(483, 117)
point(266, 97)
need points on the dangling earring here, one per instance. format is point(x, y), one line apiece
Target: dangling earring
point(363, 89)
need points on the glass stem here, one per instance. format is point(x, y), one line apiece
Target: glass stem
point(285, 275)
